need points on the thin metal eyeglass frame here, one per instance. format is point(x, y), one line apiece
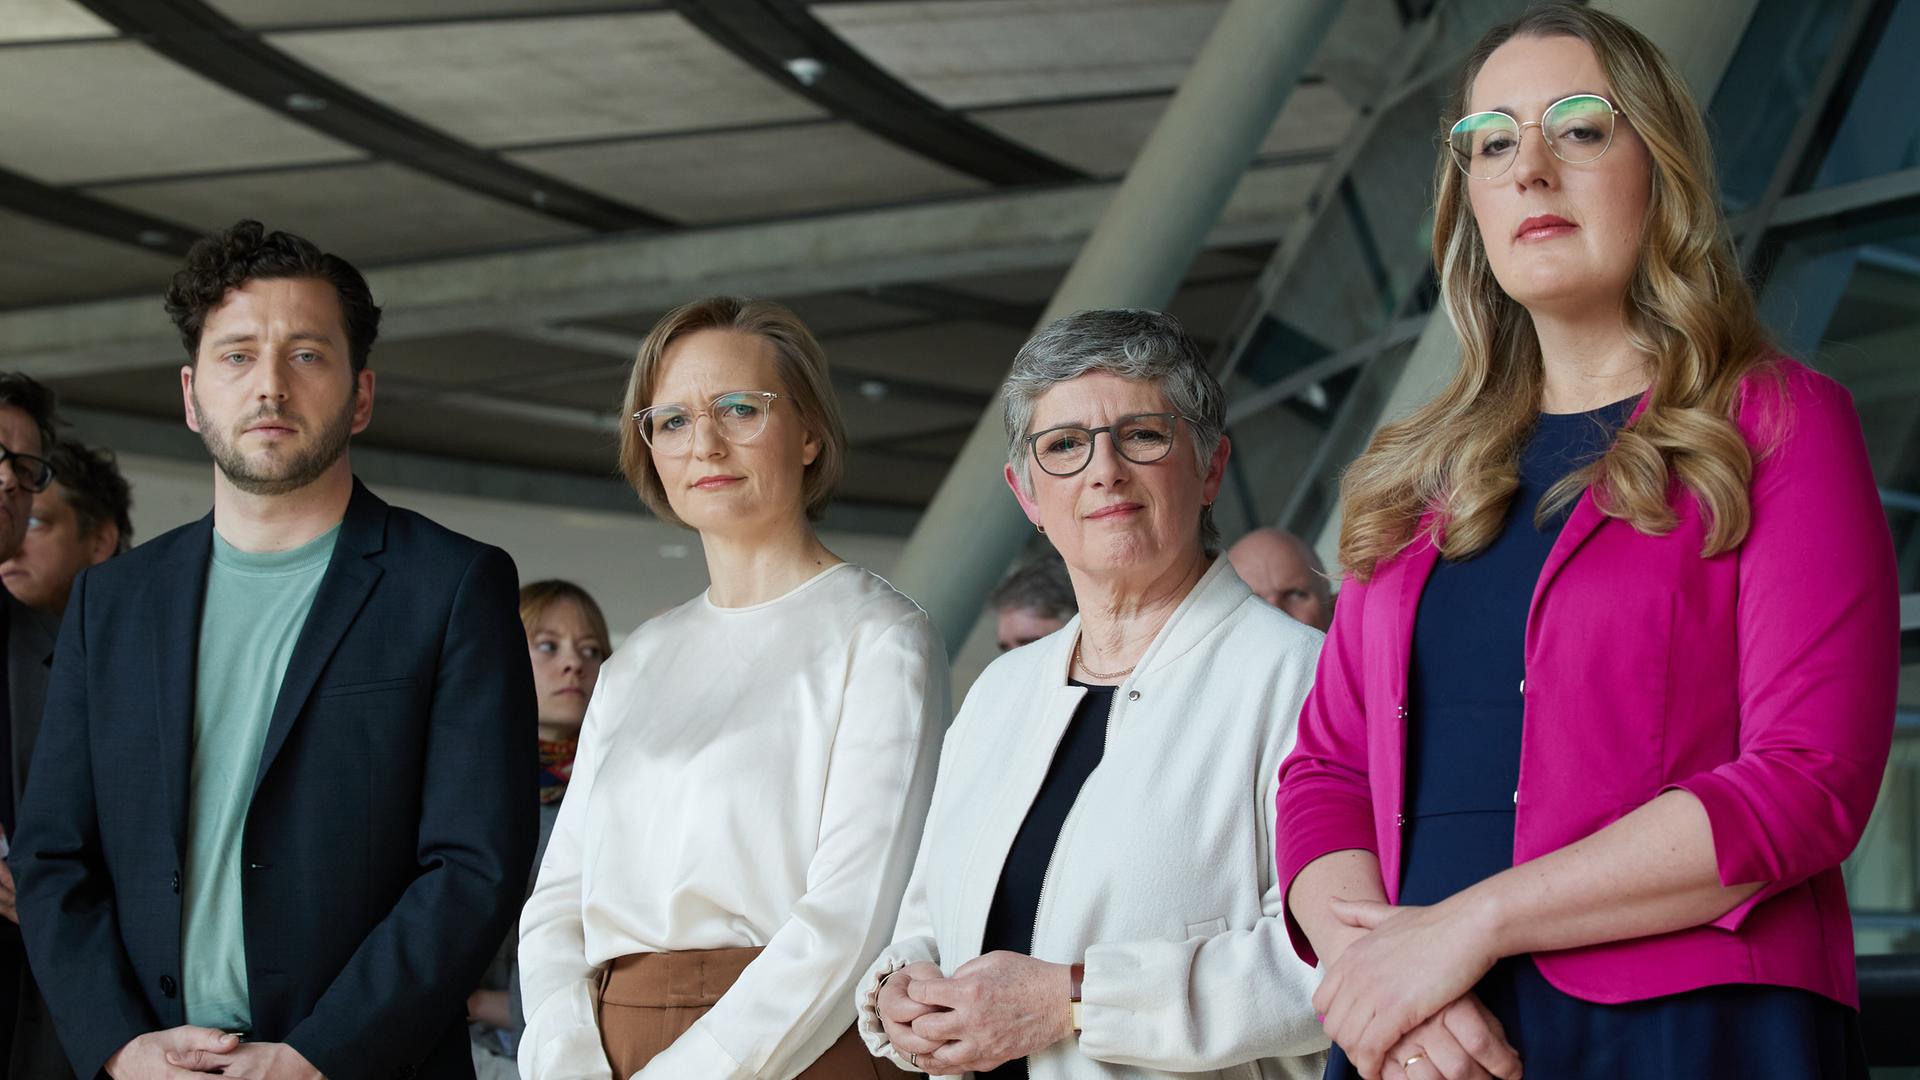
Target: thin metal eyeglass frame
point(1093, 436)
point(1520, 136)
point(767, 398)
point(10, 458)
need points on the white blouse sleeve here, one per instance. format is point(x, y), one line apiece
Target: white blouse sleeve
point(795, 999)
point(913, 934)
point(558, 987)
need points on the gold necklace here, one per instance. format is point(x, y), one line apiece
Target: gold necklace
point(1084, 666)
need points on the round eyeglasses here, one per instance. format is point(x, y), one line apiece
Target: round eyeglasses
point(1578, 130)
point(32, 473)
point(1142, 438)
point(739, 416)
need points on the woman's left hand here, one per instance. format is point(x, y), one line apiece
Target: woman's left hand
point(998, 1007)
point(1410, 965)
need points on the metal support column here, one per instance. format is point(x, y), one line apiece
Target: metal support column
point(1135, 257)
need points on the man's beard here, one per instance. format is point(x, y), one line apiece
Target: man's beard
point(278, 476)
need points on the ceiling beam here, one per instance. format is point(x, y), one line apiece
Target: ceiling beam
point(793, 47)
point(192, 34)
point(995, 233)
point(621, 348)
point(955, 304)
point(95, 217)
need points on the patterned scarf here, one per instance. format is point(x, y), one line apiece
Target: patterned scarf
point(556, 768)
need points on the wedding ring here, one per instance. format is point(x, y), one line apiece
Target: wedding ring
point(913, 1060)
point(1408, 1064)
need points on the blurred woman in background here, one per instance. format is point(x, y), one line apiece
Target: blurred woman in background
point(567, 642)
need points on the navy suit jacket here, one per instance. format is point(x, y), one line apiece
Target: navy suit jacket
point(387, 844)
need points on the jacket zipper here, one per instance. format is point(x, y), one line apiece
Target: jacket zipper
point(1046, 876)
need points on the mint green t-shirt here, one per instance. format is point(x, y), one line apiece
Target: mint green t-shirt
point(256, 604)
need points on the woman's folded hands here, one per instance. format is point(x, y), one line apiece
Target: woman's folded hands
point(991, 1010)
point(1399, 999)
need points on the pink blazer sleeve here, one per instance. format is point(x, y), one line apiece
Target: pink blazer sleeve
point(1325, 804)
point(1818, 625)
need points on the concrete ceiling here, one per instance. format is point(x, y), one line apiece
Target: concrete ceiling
point(530, 182)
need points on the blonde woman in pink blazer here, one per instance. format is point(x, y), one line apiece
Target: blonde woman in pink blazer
point(1610, 687)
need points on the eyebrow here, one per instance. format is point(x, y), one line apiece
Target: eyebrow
point(1511, 111)
point(1089, 425)
point(247, 336)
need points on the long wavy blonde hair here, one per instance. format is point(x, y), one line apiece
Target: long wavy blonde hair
point(1688, 309)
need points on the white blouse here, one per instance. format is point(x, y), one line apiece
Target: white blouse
point(752, 776)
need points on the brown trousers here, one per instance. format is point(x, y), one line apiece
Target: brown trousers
point(648, 1000)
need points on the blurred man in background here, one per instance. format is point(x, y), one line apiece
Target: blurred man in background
point(1282, 570)
point(1034, 601)
point(81, 520)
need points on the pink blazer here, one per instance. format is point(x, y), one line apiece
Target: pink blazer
point(1761, 680)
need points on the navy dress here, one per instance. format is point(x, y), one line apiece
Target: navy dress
point(1463, 770)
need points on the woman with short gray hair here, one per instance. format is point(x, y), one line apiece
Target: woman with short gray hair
point(1095, 892)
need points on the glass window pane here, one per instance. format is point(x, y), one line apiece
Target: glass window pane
point(1848, 299)
point(1880, 132)
point(1766, 89)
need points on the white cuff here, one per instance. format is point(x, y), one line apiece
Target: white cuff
point(694, 1054)
point(866, 995)
point(562, 1039)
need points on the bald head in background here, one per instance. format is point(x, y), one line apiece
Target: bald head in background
point(1282, 570)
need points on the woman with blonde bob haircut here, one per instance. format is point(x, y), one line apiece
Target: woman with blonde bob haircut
point(1585, 749)
point(754, 767)
point(800, 364)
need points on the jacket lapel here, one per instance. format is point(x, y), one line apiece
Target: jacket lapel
point(1025, 771)
point(1412, 569)
point(1585, 518)
point(349, 580)
point(1416, 566)
point(176, 599)
point(1214, 597)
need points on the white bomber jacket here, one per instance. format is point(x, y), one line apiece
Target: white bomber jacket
point(1162, 881)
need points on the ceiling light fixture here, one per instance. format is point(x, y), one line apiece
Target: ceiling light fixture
point(806, 70)
point(304, 102)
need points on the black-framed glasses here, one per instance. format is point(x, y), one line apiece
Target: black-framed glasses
point(1578, 129)
point(32, 473)
point(1142, 438)
point(738, 415)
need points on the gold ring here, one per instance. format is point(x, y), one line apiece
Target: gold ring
point(1408, 1064)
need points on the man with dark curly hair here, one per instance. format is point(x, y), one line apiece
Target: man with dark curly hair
point(274, 831)
point(81, 520)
